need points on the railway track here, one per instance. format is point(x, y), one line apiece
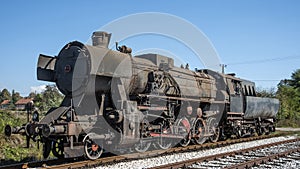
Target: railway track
point(264, 156)
point(80, 163)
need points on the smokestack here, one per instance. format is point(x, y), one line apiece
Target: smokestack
point(101, 39)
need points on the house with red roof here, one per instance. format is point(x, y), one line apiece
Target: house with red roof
point(21, 104)
point(5, 104)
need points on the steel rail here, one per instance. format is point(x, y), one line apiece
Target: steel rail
point(186, 163)
point(71, 163)
point(262, 160)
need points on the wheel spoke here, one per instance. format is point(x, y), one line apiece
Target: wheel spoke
point(142, 146)
point(57, 148)
point(215, 130)
point(199, 132)
point(184, 129)
point(163, 143)
point(92, 150)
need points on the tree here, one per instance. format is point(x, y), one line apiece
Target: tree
point(289, 95)
point(52, 96)
point(32, 95)
point(295, 81)
point(38, 102)
point(266, 92)
point(48, 98)
point(15, 96)
point(5, 95)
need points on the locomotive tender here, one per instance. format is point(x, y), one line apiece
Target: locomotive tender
point(116, 102)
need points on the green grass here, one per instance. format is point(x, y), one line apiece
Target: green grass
point(13, 119)
point(12, 149)
point(294, 123)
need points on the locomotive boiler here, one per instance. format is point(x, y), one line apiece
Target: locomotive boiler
point(118, 102)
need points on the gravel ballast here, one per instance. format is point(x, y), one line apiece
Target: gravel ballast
point(167, 159)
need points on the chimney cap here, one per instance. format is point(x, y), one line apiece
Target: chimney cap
point(101, 38)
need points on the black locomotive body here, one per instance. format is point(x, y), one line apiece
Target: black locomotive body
point(117, 102)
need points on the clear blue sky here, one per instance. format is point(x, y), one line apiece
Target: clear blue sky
point(241, 31)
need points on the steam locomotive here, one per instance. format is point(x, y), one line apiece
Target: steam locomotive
point(116, 102)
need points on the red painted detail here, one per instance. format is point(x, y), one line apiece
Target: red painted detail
point(186, 124)
point(94, 147)
point(67, 68)
point(165, 135)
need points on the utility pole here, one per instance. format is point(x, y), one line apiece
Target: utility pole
point(223, 67)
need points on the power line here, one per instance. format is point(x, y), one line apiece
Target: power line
point(266, 60)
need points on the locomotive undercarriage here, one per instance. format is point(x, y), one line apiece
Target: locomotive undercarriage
point(161, 126)
point(160, 122)
point(177, 123)
point(236, 126)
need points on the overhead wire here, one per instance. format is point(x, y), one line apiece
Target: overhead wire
point(266, 80)
point(265, 60)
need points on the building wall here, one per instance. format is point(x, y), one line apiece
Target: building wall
point(4, 106)
point(20, 106)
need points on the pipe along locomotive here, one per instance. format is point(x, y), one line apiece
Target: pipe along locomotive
point(115, 102)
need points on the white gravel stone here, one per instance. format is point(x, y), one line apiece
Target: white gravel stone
point(167, 159)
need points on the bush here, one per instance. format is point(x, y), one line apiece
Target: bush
point(13, 148)
point(7, 117)
point(288, 123)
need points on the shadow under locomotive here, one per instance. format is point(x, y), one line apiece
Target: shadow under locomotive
point(117, 103)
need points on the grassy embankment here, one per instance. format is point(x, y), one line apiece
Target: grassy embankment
point(13, 149)
point(288, 123)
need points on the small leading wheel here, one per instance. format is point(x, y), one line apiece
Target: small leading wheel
point(58, 148)
point(142, 146)
point(199, 131)
point(92, 150)
point(46, 148)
